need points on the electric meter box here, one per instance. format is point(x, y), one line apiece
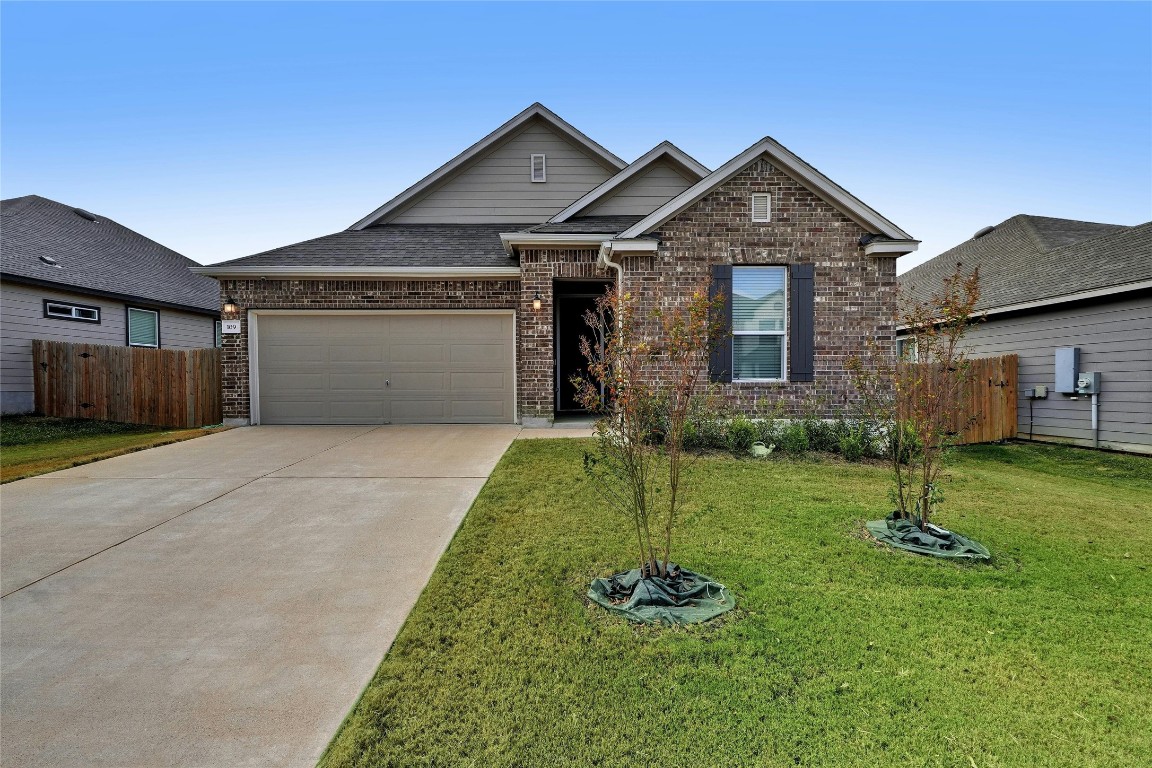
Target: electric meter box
point(1067, 366)
point(1088, 383)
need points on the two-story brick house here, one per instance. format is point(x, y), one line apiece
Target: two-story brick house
point(461, 299)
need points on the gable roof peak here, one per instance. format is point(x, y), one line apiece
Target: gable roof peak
point(665, 150)
point(795, 167)
point(534, 111)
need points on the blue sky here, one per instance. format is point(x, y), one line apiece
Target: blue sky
point(223, 129)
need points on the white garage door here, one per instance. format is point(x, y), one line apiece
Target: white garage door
point(385, 368)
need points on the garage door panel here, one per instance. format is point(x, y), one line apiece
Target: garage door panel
point(418, 410)
point(356, 353)
point(418, 381)
point(489, 381)
point(281, 352)
point(477, 353)
point(416, 353)
point(328, 369)
point(480, 409)
point(370, 382)
point(285, 382)
point(358, 412)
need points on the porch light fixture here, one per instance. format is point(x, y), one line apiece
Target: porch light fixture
point(536, 301)
point(230, 306)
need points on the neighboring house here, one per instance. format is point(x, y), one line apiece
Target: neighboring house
point(461, 299)
point(1049, 284)
point(70, 275)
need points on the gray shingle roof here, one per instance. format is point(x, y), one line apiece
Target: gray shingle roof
point(393, 245)
point(98, 256)
point(590, 225)
point(1032, 258)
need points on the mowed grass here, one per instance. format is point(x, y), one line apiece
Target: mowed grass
point(34, 445)
point(841, 653)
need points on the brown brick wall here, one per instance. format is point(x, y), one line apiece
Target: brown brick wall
point(855, 294)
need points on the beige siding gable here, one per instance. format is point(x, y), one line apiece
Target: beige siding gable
point(497, 187)
point(651, 188)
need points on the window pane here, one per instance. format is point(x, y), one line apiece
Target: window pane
point(758, 299)
point(87, 314)
point(758, 357)
point(142, 328)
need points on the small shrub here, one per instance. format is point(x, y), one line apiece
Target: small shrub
point(742, 432)
point(794, 438)
point(852, 447)
point(822, 435)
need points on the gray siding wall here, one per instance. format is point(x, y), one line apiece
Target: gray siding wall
point(649, 190)
point(497, 187)
point(22, 319)
point(1115, 338)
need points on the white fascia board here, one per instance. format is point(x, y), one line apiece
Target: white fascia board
point(660, 151)
point(631, 246)
point(512, 240)
point(890, 247)
point(536, 110)
point(1095, 293)
point(794, 167)
point(406, 273)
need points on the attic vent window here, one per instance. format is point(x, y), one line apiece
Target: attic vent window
point(539, 171)
point(762, 207)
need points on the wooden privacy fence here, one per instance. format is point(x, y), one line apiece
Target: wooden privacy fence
point(989, 412)
point(164, 387)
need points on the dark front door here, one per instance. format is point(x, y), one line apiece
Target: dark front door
point(572, 301)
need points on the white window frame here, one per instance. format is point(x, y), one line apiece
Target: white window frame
point(72, 311)
point(783, 334)
point(128, 327)
point(767, 207)
point(543, 168)
point(219, 334)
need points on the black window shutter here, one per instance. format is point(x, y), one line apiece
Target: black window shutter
point(720, 365)
point(802, 323)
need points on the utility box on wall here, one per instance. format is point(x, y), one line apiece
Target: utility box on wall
point(1067, 366)
point(1088, 383)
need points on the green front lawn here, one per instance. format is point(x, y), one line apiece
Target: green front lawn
point(33, 445)
point(840, 653)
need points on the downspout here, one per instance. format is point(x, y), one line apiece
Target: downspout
point(1095, 421)
point(605, 259)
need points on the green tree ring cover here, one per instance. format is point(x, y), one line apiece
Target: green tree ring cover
point(683, 597)
point(904, 534)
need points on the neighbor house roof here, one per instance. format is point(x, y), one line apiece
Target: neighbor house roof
point(1030, 260)
point(664, 151)
point(779, 155)
point(434, 248)
point(536, 111)
point(49, 243)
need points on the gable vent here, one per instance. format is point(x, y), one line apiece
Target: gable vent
point(539, 171)
point(762, 207)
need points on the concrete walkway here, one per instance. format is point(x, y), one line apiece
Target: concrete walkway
point(221, 601)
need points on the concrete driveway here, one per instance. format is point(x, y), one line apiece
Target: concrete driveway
point(221, 601)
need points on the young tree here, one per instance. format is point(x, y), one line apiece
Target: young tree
point(921, 396)
point(645, 375)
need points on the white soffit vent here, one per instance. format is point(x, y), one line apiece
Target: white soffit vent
point(762, 207)
point(539, 171)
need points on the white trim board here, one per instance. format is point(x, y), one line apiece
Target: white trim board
point(537, 110)
point(799, 170)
